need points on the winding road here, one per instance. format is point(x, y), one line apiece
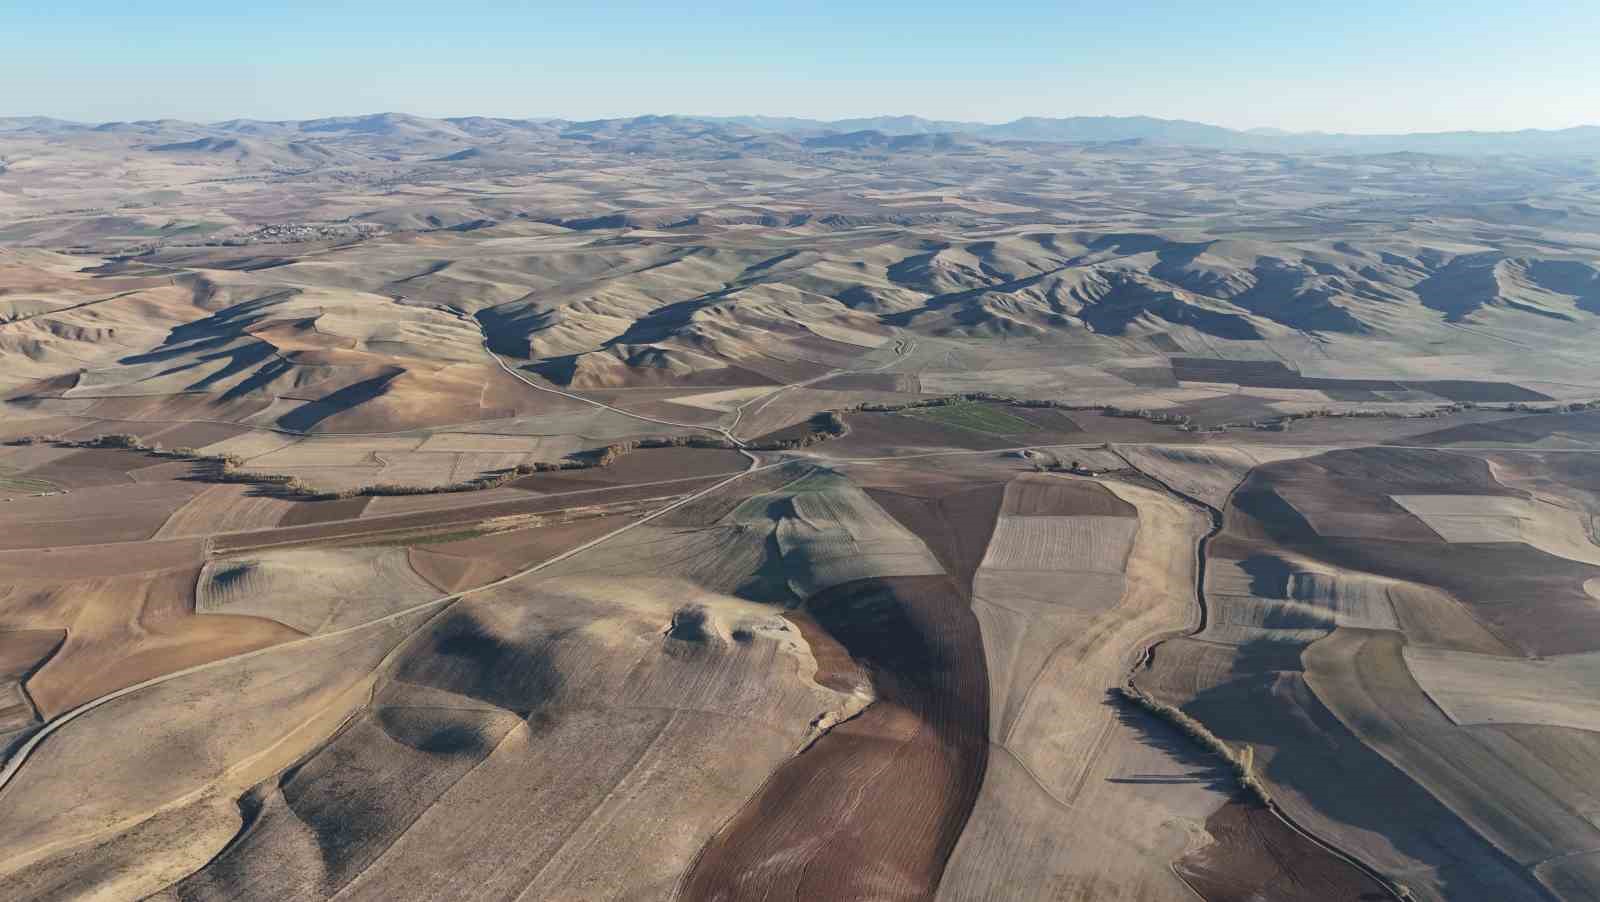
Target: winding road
point(24, 753)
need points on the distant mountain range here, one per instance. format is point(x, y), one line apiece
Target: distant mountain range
point(886, 132)
point(1581, 139)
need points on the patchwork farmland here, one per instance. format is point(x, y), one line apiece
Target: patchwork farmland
point(676, 509)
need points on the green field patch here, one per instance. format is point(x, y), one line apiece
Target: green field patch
point(174, 228)
point(973, 415)
point(11, 483)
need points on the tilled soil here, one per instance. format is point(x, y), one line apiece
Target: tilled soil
point(873, 808)
point(955, 526)
point(1256, 856)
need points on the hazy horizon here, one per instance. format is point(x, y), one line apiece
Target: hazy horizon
point(687, 510)
point(777, 116)
point(1361, 68)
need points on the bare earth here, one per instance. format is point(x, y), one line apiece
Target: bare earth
point(406, 508)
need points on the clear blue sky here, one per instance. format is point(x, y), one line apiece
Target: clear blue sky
point(1336, 65)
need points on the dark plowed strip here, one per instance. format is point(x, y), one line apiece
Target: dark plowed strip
point(887, 434)
point(643, 465)
point(1256, 856)
point(955, 527)
point(1038, 495)
point(1273, 374)
point(310, 513)
point(537, 504)
point(872, 809)
point(1514, 430)
point(1527, 597)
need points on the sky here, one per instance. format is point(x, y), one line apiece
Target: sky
point(1350, 66)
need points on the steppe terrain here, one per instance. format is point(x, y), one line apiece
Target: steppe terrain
point(672, 508)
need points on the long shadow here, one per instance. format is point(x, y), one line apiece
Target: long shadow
point(1268, 705)
point(1200, 765)
point(888, 792)
point(303, 418)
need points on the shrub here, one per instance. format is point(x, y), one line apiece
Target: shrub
point(121, 440)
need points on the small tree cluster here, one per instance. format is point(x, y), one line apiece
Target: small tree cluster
point(1242, 759)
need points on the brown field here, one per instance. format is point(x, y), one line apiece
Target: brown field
point(1520, 592)
point(1253, 855)
point(873, 808)
point(954, 524)
point(1361, 579)
point(1055, 496)
point(125, 629)
point(890, 664)
point(226, 508)
point(644, 465)
point(461, 564)
point(311, 513)
point(1580, 429)
point(329, 529)
point(887, 434)
point(120, 513)
point(21, 653)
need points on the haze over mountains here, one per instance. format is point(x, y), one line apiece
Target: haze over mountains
point(727, 246)
point(1577, 139)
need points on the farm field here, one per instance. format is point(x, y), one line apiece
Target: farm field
point(681, 509)
point(977, 417)
point(871, 588)
point(1322, 586)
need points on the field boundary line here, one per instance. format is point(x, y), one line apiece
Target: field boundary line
point(14, 765)
point(1394, 888)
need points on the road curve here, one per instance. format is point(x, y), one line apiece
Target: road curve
point(22, 755)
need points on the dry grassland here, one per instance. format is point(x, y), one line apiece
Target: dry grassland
point(1546, 526)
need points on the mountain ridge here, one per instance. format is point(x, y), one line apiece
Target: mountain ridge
point(1579, 139)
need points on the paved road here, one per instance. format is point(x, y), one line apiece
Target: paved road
point(23, 754)
point(903, 348)
point(720, 430)
point(78, 306)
